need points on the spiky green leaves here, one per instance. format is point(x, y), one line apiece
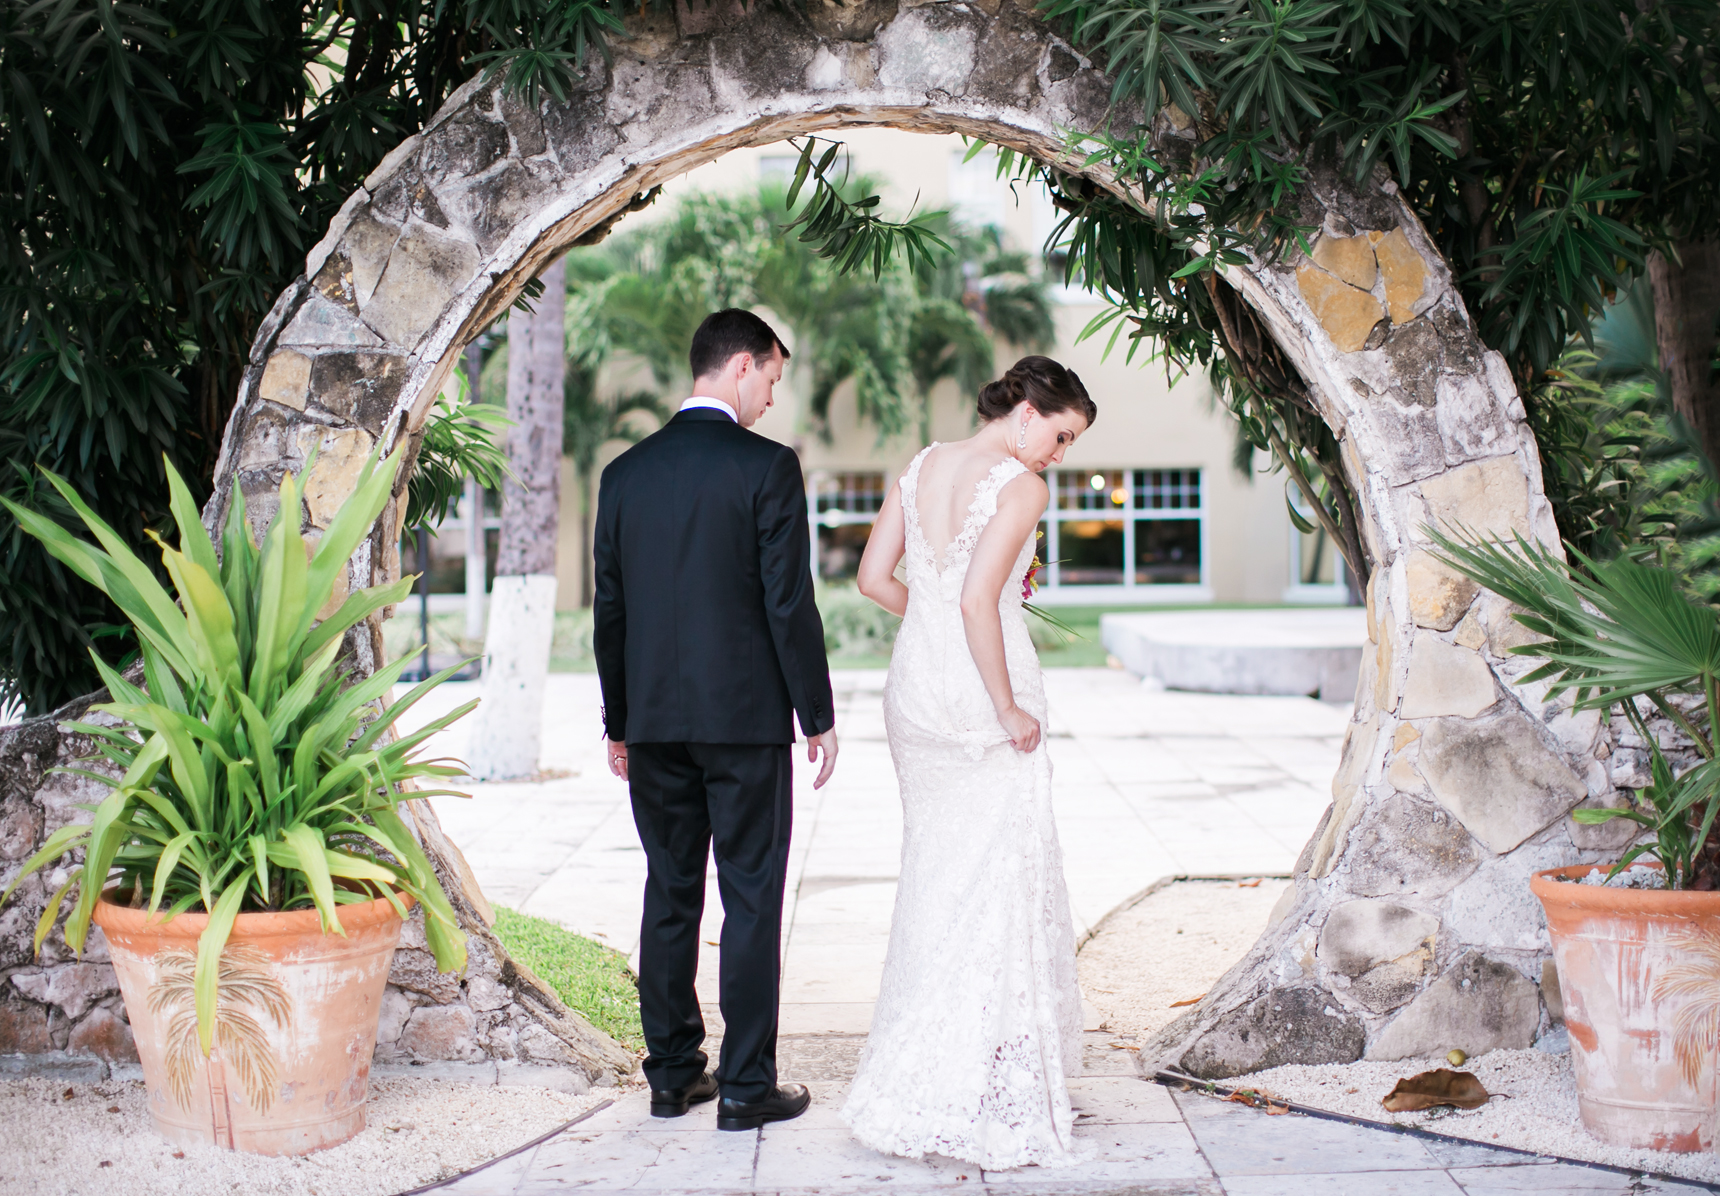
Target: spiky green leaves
point(255, 777)
point(1618, 631)
point(850, 233)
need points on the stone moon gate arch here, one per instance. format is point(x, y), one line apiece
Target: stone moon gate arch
point(1410, 928)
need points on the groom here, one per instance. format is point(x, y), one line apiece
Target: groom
point(707, 643)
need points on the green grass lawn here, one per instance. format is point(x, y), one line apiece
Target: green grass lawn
point(587, 976)
point(1083, 650)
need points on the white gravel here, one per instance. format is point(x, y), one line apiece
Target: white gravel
point(419, 1131)
point(1138, 963)
point(1637, 876)
point(1537, 1111)
point(1170, 946)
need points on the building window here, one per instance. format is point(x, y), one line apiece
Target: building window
point(844, 506)
point(1112, 531)
point(1316, 565)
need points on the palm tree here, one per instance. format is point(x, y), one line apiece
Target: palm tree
point(965, 300)
point(945, 340)
point(590, 420)
point(645, 293)
point(248, 989)
point(895, 337)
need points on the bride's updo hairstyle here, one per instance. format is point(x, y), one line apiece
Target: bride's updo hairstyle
point(1049, 387)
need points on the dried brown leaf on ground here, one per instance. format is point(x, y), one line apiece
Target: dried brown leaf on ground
point(1441, 1087)
point(1260, 1099)
point(1188, 1001)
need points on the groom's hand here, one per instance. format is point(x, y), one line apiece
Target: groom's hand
point(617, 758)
point(827, 744)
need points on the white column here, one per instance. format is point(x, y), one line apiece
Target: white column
point(472, 507)
point(507, 726)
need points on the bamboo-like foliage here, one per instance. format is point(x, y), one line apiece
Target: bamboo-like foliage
point(1614, 632)
point(255, 778)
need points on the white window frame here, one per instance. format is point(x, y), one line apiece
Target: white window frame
point(1053, 591)
point(816, 519)
point(1335, 593)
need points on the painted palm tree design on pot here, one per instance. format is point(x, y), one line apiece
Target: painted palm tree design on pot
point(1696, 977)
point(247, 991)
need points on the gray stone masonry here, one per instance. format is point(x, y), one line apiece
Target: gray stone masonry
point(1455, 783)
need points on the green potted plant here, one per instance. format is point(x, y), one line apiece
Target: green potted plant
point(1639, 967)
point(249, 868)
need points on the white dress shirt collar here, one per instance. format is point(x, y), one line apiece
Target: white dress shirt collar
point(714, 404)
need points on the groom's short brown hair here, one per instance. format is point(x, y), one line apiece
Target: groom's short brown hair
point(728, 332)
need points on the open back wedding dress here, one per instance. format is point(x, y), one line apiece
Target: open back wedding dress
point(978, 1021)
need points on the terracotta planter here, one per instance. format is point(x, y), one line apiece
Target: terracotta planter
point(295, 1023)
point(1639, 972)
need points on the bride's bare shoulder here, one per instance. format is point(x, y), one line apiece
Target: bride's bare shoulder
point(1025, 487)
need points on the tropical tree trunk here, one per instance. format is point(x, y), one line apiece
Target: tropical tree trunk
point(1686, 306)
point(1410, 928)
point(477, 579)
point(507, 730)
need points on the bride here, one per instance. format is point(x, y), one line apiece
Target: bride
point(978, 1021)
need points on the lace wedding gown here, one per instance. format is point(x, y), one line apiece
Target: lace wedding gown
point(978, 1021)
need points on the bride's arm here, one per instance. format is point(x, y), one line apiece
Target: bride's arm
point(884, 547)
point(1019, 507)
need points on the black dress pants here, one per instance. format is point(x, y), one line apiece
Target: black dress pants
point(689, 798)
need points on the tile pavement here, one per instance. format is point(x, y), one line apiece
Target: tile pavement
point(1147, 1140)
point(1147, 784)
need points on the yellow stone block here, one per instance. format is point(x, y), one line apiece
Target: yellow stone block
point(1346, 313)
point(1438, 595)
point(1350, 258)
point(286, 379)
point(1405, 272)
point(341, 455)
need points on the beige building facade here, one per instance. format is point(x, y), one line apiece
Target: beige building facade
point(1147, 509)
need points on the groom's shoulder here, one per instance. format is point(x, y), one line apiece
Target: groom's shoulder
point(702, 439)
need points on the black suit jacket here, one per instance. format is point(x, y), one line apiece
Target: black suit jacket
point(705, 627)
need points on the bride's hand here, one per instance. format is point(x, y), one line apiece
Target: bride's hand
point(1021, 727)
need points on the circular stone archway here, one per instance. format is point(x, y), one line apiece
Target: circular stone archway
point(1410, 925)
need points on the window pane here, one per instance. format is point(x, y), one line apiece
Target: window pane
point(1092, 552)
point(1167, 489)
point(839, 549)
point(851, 493)
point(1091, 490)
point(1167, 552)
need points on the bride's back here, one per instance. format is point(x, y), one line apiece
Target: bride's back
point(948, 478)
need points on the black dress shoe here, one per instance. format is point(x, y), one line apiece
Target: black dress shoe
point(784, 1104)
point(672, 1102)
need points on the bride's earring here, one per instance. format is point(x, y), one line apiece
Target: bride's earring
point(1021, 441)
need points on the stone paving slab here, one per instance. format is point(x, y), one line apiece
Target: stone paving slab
point(1146, 1139)
point(1346, 1183)
point(1244, 1142)
point(1560, 1177)
point(1147, 784)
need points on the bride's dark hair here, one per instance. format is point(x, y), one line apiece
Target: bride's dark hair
point(1050, 387)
